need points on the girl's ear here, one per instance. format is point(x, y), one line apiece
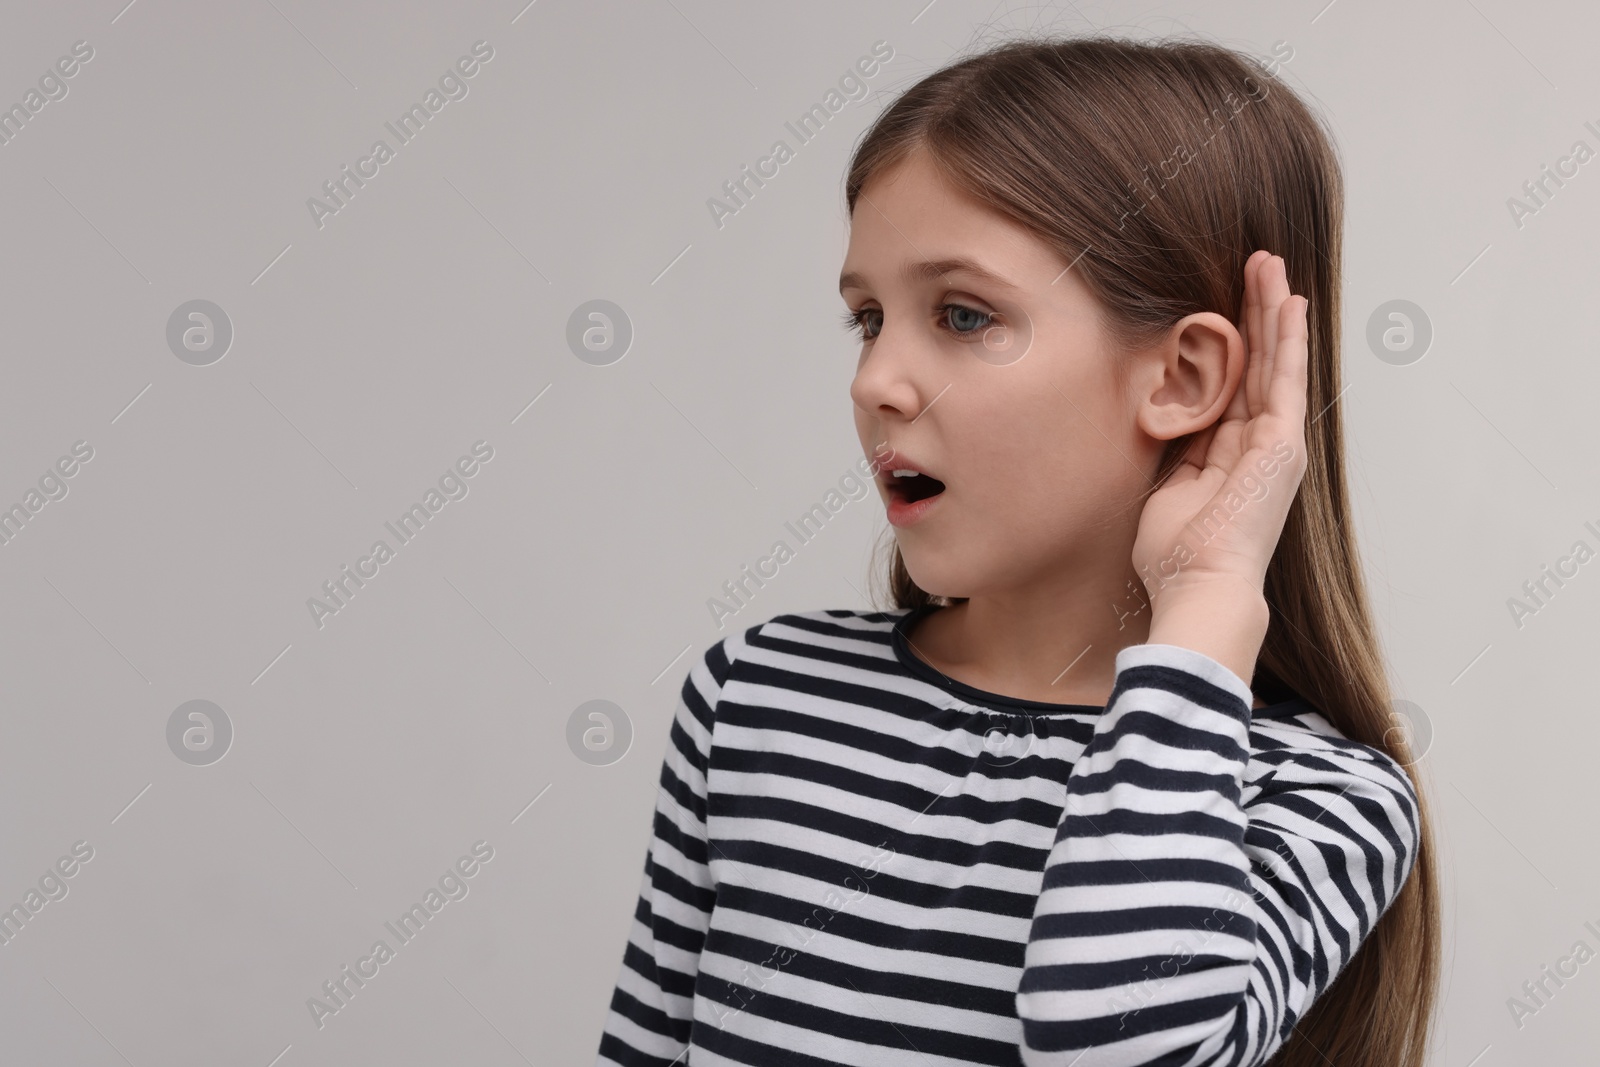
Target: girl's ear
point(1183, 384)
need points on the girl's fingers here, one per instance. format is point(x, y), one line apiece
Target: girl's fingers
point(1255, 392)
point(1248, 380)
point(1287, 398)
point(1274, 327)
point(1275, 290)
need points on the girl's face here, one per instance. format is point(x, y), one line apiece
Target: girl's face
point(1001, 387)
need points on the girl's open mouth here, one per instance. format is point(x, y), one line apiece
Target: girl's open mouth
point(917, 487)
point(912, 494)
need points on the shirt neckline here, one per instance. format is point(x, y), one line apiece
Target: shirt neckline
point(1295, 705)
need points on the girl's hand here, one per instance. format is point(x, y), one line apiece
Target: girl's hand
point(1216, 521)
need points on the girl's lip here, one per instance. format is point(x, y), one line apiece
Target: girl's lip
point(892, 461)
point(904, 513)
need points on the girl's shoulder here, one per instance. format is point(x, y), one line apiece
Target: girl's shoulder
point(818, 629)
point(822, 633)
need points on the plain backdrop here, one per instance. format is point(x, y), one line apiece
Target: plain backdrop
point(372, 347)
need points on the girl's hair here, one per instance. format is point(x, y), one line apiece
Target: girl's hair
point(1157, 169)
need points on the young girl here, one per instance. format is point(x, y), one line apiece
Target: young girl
point(1116, 782)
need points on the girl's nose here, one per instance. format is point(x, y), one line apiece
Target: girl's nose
point(886, 382)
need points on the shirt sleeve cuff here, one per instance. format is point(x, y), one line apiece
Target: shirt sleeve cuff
point(1186, 659)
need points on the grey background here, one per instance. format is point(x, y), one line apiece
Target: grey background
point(432, 712)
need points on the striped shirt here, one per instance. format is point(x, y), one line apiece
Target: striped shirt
point(859, 860)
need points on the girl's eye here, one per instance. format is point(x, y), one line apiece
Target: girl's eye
point(856, 321)
point(963, 321)
point(957, 314)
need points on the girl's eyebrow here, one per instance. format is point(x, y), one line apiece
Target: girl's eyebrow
point(927, 270)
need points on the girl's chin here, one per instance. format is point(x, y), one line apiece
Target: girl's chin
point(932, 579)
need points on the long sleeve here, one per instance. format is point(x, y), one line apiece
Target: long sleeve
point(1196, 900)
point(652, 1006)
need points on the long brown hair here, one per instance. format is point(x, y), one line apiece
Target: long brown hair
point(1157, 169)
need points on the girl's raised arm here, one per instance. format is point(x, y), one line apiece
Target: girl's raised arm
point(1196, 900)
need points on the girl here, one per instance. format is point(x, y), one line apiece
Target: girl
point(1115, 782)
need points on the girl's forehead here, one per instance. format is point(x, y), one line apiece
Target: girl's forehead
point(911, 226)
